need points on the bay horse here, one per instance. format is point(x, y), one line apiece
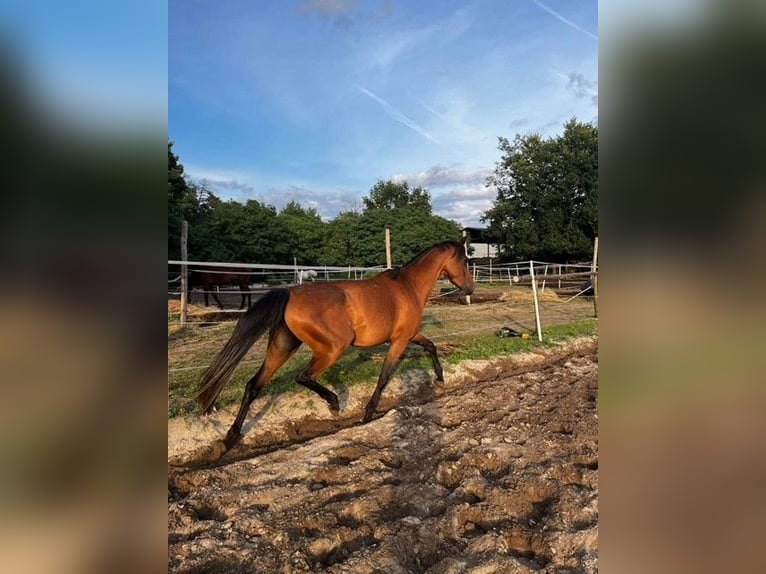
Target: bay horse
point(330, 317)
point(209, 278)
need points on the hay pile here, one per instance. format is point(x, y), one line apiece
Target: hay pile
point(525, 295)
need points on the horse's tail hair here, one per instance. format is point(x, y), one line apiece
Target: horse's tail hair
point(268, 311)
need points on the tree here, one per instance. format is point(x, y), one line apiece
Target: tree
point(247, 233)
point(547, 195)
point(392, 195)
point(412, 231)
point(359, 239)
point(306, 232)
point(199, 227)
point(342, 240)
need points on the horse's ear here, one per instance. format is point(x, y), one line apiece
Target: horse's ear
point(463, 239)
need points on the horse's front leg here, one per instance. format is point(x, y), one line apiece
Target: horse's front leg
point(393, 357)
point(430, 348)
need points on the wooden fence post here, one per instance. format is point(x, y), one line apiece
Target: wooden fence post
point(465, 244)
point(537, 305)
point(184, 280)
point(594, 277)
point(388, 248)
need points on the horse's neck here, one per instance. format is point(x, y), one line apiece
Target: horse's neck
point(422, 274)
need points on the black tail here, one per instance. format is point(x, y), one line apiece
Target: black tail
point(268, 311)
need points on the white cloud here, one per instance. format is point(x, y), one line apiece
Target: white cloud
point(440, 176)
point(466, 213)
point(328, 203)
point(468, 194)
point(456, 193)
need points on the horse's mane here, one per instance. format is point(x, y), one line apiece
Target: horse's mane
point(443, 245)
point(394, 272)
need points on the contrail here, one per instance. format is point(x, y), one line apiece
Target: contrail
point(567, 22)
point(397, 115)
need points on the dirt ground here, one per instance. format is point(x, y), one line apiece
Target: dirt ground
point(494, 471)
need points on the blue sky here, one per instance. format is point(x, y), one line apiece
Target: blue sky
point(316, 100)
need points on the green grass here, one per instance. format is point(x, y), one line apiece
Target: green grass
point(489, 345)
point(197, 346)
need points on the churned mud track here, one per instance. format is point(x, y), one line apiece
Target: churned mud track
point(492, 475)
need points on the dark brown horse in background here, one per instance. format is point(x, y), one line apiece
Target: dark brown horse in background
point(210, 278)
point(330, 317)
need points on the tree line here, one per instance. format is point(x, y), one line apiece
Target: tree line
point(546, 209)
point(251, 232)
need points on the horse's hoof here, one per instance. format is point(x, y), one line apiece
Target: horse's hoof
point(334, 406)
point(230, 441)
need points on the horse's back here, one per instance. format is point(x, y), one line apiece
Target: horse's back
point(374, 310)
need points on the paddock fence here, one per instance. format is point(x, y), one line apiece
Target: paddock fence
point(544, 287)
point(511, 299)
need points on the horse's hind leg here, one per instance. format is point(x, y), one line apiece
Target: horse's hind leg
point(430, 348)
point(282, 346)
point(246, 296)
point(217, 300)
point(320, 362)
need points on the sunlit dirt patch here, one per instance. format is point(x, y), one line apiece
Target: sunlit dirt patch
point(497, 473)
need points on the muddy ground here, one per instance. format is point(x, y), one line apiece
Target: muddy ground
point(494, 471)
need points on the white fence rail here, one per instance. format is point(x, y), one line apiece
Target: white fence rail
point(568, 280)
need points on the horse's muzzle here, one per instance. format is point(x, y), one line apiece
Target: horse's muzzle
point(467, 289)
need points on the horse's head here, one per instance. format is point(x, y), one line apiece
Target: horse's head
point(456, 268)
